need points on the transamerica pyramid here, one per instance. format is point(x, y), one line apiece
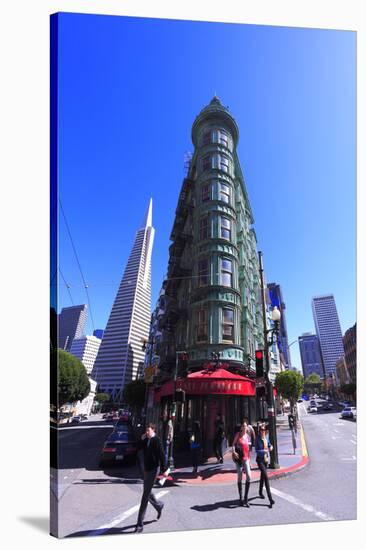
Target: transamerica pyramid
point(120, 355)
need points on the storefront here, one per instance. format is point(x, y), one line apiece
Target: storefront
point(207, 393)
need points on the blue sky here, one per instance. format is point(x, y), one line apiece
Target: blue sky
point(129, 90)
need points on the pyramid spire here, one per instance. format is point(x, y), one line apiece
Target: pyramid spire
point(148, 217)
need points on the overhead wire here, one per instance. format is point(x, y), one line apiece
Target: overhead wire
point(78, 262)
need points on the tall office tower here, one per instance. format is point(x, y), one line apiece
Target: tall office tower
point(311, 359)
point(212, 287)
point(71, 323)
point(86, 349)
point(328, 330)
point(350, 351)
point(98, 332)
point(120, 355)
point(276, 298)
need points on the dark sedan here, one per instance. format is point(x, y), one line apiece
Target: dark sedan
point(120, 446)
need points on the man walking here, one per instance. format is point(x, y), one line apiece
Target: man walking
point(219, 438)
point(153, 456)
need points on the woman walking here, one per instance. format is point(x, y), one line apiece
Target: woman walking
point(263, 447)
point(241, 457)
point(196, 445)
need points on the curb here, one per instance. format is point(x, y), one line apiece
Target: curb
point(282, 472)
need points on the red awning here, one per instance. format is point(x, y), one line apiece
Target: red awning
point(210, 382)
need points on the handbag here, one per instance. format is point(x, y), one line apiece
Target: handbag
point(239, 452)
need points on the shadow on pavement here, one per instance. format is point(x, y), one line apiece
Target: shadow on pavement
point(126, 530)
point(216, 505)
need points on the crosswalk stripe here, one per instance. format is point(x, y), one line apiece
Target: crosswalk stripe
point(307, 507)
point(119, 519)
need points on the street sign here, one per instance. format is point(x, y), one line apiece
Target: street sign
point(149, 374)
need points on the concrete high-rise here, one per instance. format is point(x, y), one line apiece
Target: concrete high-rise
point(71, 324)
point(121, 355)
point(86, 349)
point(328, 330)
point(311, 359)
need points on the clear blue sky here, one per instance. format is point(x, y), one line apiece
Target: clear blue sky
point(130, 89)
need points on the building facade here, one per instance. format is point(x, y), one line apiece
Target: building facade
point(276, 299)
point(328, 330)
point(210, 306)
point(121, 354)
point(71, 324)
point(350, 352)
point(311, 359)
point(86, 349)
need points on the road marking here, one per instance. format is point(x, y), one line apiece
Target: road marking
point(354, 442)
point(307, 507)
point(336, 431)
point(353, 458)
point(118, 519)
point(336, 437)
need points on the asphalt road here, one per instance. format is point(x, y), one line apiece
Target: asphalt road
point(96, 502)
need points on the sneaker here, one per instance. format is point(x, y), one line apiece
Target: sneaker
point(160, 511)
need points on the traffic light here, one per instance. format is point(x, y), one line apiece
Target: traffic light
point(180, 396)
point(259, 363)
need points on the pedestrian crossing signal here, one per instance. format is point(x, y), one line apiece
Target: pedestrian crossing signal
point(259, 363)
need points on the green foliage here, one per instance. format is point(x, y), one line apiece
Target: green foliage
point(134, 393)
point(348, 389)
point(313, 382)
point(102, 397)
point(290, 384)
point(72, 380)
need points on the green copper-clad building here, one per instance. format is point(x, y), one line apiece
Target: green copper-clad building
point(209, 307)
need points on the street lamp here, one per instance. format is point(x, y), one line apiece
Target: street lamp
point(151, 341)
point(174, 404)
point(273, 333)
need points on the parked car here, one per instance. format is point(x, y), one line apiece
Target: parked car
point(120, 447)
point(299, 400)
point(348, 412)
point(312, 408)
point(76, 419)
point(327, 406)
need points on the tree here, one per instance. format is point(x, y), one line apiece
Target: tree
point(313, 382)
point(72, 380)
point(348, 389)
point(102, 397)
point(134, 393)
point(290, 384)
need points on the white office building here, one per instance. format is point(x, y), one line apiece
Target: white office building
point(121, 355)
point(328, 330)
point(86, 349)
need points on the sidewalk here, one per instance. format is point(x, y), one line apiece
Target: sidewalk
point(213, 473)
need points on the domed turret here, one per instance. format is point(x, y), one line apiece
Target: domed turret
point(215, 111)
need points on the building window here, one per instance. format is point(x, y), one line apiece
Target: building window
point(226, 272)
point(204, 228)
point(224, 163)
point(228, 325)
point(225, 228)
point(202, 325)
point(223, 138)
point(203, 272)
point(206, 192)
point(206, 139)
point(206, 162)
point(224, 194)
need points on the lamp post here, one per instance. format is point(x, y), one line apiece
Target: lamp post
point(276, 316)
point(174, 405)
point(151, 341)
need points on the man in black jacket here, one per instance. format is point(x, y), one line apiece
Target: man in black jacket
point(154, 456)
